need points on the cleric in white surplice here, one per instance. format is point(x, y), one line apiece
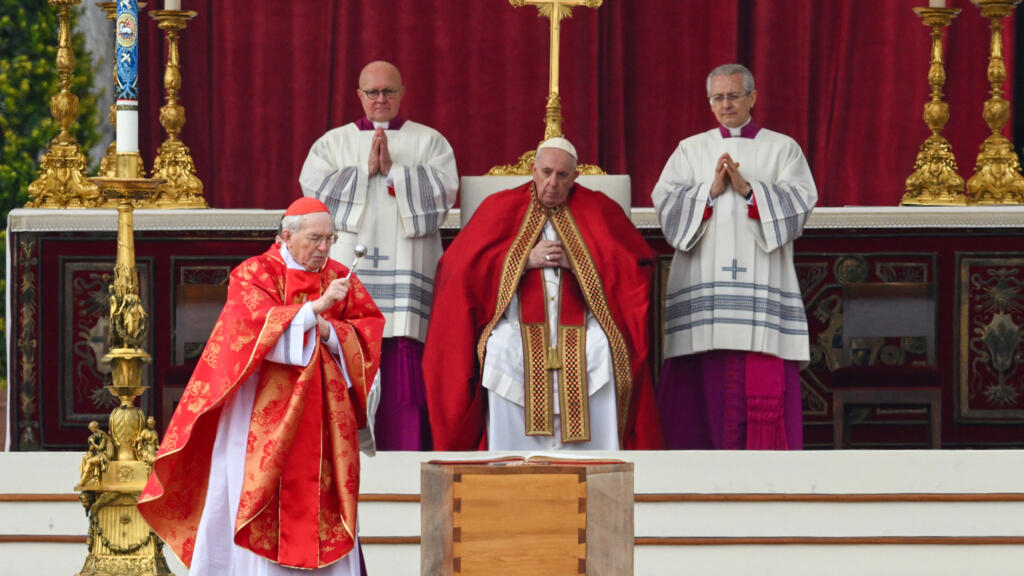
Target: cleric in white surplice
point(389, 183)
point(731, 201)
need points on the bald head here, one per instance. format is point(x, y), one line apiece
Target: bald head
point(380, 90)
point(378, 68)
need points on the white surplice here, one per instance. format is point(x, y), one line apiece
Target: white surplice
point(401, 232)
point(732, 284)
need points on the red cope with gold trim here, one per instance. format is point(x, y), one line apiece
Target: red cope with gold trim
point(299, 496)
point(482, 269)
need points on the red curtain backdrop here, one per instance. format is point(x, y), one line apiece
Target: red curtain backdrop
point(846, 78)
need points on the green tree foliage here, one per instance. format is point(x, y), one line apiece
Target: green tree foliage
point(28, 79)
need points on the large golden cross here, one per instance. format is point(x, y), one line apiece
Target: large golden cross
point(555, 11)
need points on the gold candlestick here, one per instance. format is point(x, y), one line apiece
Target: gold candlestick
point(997, 178)
point(554, 11)
point(935, 179)
point(115, 468)
point(108, 165)
point(173, 163)
point(62, 181)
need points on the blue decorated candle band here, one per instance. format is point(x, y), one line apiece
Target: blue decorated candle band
point(126, 50)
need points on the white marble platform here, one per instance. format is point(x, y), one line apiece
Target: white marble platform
point(841, 513)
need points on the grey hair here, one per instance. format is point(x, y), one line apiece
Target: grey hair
point(729, 70)
point(293, 223)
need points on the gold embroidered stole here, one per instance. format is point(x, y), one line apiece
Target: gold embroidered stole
point(589, 282)
point(541, 360)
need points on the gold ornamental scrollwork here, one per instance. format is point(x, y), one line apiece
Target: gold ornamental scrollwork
point(555, 11)
point(936, 178)
point(182, 187)
point(62, 181)
point(991, 337)
point(120, 541)
point(28, 345)
point(118, 461)
point(522, 167)
point(997, 178)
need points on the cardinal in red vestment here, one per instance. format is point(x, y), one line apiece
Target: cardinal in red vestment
point(259, 467)
point(540, 338)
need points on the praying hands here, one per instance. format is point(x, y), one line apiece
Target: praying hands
point(380, 156)
point(728, 171)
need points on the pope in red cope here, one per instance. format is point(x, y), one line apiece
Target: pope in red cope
point(542, 341)
point(258, 471)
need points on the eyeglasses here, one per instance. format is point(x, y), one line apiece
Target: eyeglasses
point(718, 99)
point(388, 94)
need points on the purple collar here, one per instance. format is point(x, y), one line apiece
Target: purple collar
point(749, 130)
point(365, 124)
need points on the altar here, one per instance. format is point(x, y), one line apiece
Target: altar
point(61, 261)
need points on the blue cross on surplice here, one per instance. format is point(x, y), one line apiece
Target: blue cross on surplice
point(734, 268)
point(377, 257)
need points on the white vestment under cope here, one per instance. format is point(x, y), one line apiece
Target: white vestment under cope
point(401, 232)
point(503, 377)
point(733, 285)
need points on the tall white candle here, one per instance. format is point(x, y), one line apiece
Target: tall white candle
point(176, 4)
point(126, 62)
point(936, 3)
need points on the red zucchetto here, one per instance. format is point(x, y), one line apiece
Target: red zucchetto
point(305, 205)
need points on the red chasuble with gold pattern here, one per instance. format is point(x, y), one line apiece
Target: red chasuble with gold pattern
point(298, 504)
point(483, 268)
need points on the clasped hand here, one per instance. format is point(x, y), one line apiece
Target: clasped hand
point(547, 254)
point(380, 156)
point(728, 170)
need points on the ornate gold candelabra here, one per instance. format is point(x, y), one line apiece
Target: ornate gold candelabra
point(62, 181)
point(997, 178)
point(935, 179)
point(554, 11)
point(173, 163)
point(108, 165)
point(117, 464)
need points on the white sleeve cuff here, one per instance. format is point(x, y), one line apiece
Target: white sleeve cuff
point(296, 344)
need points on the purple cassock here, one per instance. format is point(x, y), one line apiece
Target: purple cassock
point(402, 422)
point(723, 400)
